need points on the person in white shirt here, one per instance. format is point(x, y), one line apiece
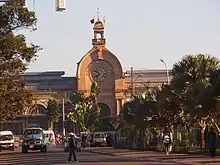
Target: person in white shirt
point(167, 141)
point(72, 148)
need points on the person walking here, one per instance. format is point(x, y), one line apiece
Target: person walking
point(72, 148)
point(212, 137)
point(167, 141)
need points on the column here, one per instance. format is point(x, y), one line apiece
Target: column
point(100, 54)
point(122, 102)
point(118, 107)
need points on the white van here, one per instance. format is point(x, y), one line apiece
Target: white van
point(50, 137)
point(7, 140)
point(98, 138)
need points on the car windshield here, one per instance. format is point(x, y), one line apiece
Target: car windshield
point(99, 135)
point(33, 132)
point(6, 137)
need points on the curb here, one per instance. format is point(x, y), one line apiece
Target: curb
point(115, 154)
point(102, 153)
point(136, 158)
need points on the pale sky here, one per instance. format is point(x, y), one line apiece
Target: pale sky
point(138, 32)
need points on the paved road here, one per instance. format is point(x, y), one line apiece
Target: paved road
point(59, 158)
point(190, 159)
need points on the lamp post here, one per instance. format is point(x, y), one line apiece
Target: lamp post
point(138, 76)
point(132, 80)
point(63, 110)
point(167, 71)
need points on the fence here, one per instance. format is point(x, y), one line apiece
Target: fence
point(183, 140)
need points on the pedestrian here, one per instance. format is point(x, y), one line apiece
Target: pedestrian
point(50, 139)
point(72, 148)
point(212, 137)
point(84, 141)
point(167, 141)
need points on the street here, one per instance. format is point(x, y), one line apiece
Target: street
point(103, 156)
point(59, 158)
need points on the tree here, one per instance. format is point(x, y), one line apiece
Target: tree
point(15, 56)
point(191, 80)
point(105, 124)
point(138, 116)
point(85, 110)
point(170, 107)
point(53, 112)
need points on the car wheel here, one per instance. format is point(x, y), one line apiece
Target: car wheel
point(24, 150)
point(44, 149)
point(13, 148)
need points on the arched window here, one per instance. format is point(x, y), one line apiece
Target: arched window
point(39, 109)
point(99, 37)
point(105, 110)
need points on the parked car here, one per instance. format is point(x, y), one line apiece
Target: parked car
point(6, 141)
point(98, 139)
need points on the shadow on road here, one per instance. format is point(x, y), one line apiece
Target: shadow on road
point(179, 156)
point(207, 162)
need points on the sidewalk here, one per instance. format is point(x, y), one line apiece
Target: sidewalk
point(151, 155)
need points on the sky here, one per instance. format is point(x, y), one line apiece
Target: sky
point(138, 32)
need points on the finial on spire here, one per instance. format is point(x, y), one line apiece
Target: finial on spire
point(34, 4)
point(98, 14)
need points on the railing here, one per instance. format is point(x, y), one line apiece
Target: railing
point(98, 41)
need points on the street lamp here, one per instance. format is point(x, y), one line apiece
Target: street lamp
point(168, 78)
point(133, 79)
point(140, 75)
point(134, 86)
point(63, 113)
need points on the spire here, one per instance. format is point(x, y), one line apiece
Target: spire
point(98, 14)
point(98, 30)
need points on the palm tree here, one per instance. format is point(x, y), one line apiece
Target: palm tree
point(138, 113)
point(190, 77)
point(170, 107)
point(193, 69)
point(85, 110)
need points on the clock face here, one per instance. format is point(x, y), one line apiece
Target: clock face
point(99, 74)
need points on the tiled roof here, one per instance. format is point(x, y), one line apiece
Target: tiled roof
point(65, 83)
point(47, 73)
point(153, 71)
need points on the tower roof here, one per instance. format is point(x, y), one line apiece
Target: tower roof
point(98, 25)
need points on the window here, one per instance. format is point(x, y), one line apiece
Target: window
point(99, 136)
point(6, 137)
point(33, 132)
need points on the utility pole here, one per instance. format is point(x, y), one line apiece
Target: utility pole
point(167, 71)
point(132, 83)
point(64, 129)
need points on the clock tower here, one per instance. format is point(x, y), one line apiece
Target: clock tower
point(102, 66)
